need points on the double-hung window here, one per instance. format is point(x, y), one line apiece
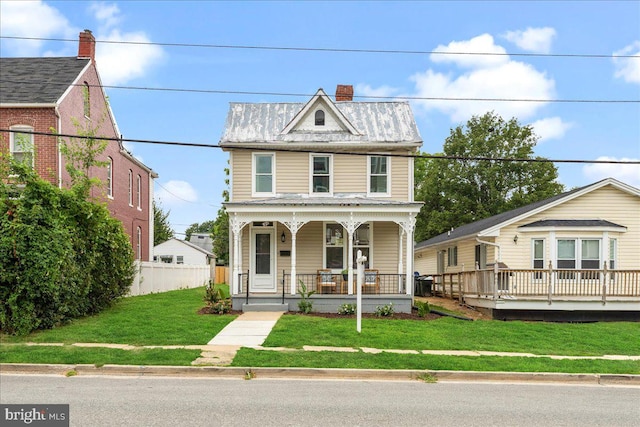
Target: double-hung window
point(130, 187)
point(21, 144)
point(613, 246)
point(263, 174)
point(138, 191)
point(378, 175)
point(452, 256)
point(110, 177)
point(538, 257)
point(321, 174)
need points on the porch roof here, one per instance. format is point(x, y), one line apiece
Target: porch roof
point(335, 203)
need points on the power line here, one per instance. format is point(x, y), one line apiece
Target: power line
point(337, 50)
point(349, 153)
point(305, 95)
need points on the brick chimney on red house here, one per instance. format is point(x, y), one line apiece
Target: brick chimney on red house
point(87, 46)
point(344, 93)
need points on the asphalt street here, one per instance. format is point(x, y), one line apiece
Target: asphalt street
point(157, 401)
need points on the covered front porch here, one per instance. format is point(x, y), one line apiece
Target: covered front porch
point(282, 246)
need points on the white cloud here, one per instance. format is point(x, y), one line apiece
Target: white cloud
point(107, 14)
point(31, 19)
point(120, 63)
point(628, 69)
point(629, 174)
point(481, 44)
point(176, 193)
point(551, 128)
point(536, 40)
point(511, 80)
point(382, 91)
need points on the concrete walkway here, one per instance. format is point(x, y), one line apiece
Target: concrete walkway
point(247, 330)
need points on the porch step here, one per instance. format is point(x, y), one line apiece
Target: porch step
point(264, 307)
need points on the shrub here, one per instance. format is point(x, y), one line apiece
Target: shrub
point(423, 308)
point(384, 311)
point(305, 304)
point(347, 309)
point(61, 256)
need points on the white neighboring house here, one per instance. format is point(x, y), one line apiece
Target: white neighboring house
point(176, 251)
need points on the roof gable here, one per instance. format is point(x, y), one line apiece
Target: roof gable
point(320, 102)
point(38, 80)
point(490, 226)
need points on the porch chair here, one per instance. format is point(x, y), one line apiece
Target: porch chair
point(326, 280)
point(371, 283)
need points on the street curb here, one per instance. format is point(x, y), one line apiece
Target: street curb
point(316, 373)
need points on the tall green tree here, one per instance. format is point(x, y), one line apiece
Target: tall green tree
point(162, 230)
point(221, 229)
point(462, 190)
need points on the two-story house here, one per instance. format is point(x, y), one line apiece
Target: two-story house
point(64, 95)
point(313, 184)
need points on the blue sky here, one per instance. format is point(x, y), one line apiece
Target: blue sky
point(192, 179)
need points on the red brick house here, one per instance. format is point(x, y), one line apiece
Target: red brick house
point(65, 94)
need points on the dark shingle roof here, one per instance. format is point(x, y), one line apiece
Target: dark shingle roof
point(571, 223)
point(37, 80)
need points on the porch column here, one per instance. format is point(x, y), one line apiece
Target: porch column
point(236, 226)
point(408, 229)
point(400, 256)
point(294, 225)
point(351, 225)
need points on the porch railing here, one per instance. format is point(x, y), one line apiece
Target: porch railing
point(387, 284)
point(539, 283)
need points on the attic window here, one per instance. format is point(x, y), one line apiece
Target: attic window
point(319, 118)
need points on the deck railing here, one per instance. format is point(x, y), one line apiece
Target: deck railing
point(536, 283)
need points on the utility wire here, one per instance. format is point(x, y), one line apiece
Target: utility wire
point(340, 50)
point(304, 95)
point(350, 153)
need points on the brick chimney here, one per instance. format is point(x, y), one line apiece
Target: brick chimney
point(344, 93)
point(87, 46)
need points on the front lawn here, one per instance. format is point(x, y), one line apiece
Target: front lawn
point(578, 339)
point(169, 318)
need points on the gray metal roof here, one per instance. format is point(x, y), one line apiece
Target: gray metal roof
point(385, 122)
point(571, 223)
point(37, 80)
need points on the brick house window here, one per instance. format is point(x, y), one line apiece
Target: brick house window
point(21, 144)
point(138, 190)
point(130, 188)
point(86, 97)
point(110, 177)
point(139, 243)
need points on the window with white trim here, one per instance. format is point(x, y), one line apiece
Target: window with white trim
point(179, 259)
point(130, 187)
point(537, 256)
point(378, 175)
point(263, 180)
point(139, 243)
point(590, 254)
point(566, 254)
point(110, 177)
point(321, 173)
point(21, 144)
point(138, 191)
point(613, 249)
point(319, 118)
point(452, 256)
point(334, 238)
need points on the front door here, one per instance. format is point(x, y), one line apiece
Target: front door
point(263, 278)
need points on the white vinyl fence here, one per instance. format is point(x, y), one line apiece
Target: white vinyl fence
point(153, 277)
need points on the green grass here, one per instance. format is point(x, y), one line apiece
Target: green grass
point(310, 359)
point(168, 318)
point(579, 339)
point(96, 356)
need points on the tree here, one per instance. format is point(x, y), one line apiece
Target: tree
point(205, 227)
point(221, 229)
point(462, 190)
point(161, 228)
